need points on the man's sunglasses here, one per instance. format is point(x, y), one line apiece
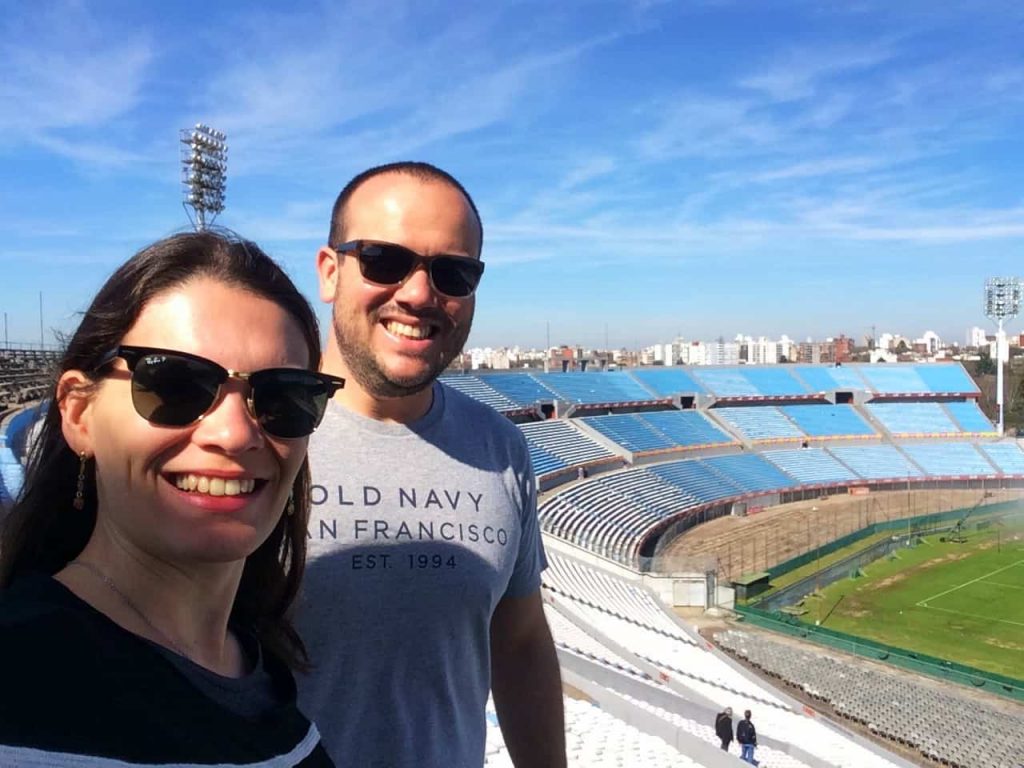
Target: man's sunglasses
point(176, 389)
point(387, 264)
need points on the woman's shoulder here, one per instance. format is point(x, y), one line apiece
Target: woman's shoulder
point(34, 609)
point(44, 628)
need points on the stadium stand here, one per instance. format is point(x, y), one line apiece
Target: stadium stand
point(556, 444)
point(659, 430)
point(24, 375)
point(771, 381)
point(676, 665)
point(10, 472)
point(766, 755)
point(760, 423)
point(822, 420)
point(665, 382)
point(1007, 456)
point(969, 418)
point(479, 390)
point(913, 419)
point(521, 388)
point(750, 472)
point(943, 724)
point(829, 378)
point(812, 466)
point(949, 459)
point(611, 514)
point(945, 378)
point(698, 479)
point(687, 429)
point(894, 379)
point(875, 462)
point(630, 431)
point(595, 388)
point(595, 739)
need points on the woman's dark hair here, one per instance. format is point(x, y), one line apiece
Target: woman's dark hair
point(43, 532)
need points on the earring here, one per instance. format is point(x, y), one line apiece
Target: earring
point(290, 506)
point(79, 502)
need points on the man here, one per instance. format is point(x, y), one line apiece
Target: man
point(723, 727)
point(746, 735)
point(423, 582)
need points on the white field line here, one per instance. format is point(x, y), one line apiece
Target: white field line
point(974, 615)
point(1010, 586)
point(924, 603)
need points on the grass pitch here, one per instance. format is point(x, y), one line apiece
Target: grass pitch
point(958, 601)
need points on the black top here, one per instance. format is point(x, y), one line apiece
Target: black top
point(78, 689)
point(746, 733)
point(723, 726)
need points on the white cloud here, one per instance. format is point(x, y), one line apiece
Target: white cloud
point(63, 70)
point(798, 73)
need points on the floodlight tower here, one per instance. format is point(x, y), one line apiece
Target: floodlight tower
point(1002, 302)
point(204, 166)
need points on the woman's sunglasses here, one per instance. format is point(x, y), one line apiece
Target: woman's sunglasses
point(387, 264)
point(176, 389)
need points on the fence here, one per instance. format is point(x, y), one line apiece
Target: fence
point(908, 526)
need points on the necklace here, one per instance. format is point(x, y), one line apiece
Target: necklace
point(109, 583)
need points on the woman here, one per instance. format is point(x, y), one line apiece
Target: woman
point(147, 571)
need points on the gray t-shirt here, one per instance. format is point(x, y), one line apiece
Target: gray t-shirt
point(417, 532)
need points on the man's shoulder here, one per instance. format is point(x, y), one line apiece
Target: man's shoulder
point(459, 405)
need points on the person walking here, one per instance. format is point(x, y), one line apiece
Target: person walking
point(746, 735)
point(723, 727)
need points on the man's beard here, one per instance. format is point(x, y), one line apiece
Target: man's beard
point(363, 366)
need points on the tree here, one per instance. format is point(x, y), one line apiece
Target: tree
point(986, 365)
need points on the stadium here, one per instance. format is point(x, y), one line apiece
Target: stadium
point(706, 529)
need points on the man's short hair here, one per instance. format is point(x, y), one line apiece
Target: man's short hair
point(418, 170)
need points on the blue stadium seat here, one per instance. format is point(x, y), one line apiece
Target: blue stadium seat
point(829, 420)
point(1007, 456)
point(812, 466)
point(610, 514)
point(725, 382)
point(687, 428)
point(949, 459)
point(750, 472)
point(946, 378)
point(875, 462)
point(773, 381)
point(521, 388)
point(478, 390)
point(696, 479)
point(828, 378)
point(914, 418)
point(559, 439)
point(629, 431)
point(894, 379)
point(760, 422)
point(665, 382)
point(595, 388)
point(969, 417)
point(543, 461)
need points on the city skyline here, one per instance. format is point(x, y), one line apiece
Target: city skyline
point(644, 169)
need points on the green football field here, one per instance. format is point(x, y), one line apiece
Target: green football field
point(959, 601)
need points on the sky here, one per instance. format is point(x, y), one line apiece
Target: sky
point(644, 168)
